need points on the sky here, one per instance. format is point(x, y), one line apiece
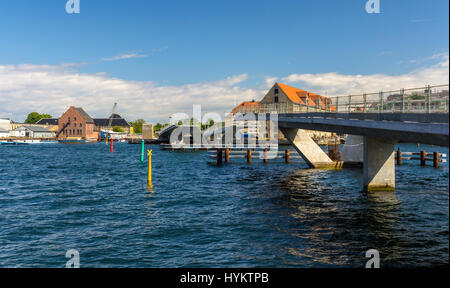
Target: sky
point(157, 58)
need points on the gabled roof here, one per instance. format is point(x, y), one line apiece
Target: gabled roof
point(85, 115)
point(253, 104)
point(47, 121)
point(299, 96)
point(33, 128)
point(117, 120)
point(292, 93)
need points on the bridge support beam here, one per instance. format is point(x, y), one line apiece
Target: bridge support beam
point(313, 155)
point(379, 165)
point(353, 151)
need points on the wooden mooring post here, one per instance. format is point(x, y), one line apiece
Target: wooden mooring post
point(227, 156)
point(399, 157)
point(436, 159)
point(249, 156)
point(219, 157)
point(423, 158)
point(266, 158)
point(286, 156)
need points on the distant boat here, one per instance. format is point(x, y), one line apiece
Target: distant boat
point(75, 141)
point(26, 142)
point(12, 143)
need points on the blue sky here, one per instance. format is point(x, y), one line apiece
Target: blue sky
point(177, 43)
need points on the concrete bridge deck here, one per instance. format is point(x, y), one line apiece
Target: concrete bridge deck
point(401, 127)
point(372, 136)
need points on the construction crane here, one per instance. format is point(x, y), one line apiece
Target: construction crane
point(112, 116)
point(62, 129)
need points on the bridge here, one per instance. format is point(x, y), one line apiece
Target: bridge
point(375, 122)
point(371, 139)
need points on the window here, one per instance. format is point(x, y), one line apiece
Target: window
point(276, 91)
point(275, 99)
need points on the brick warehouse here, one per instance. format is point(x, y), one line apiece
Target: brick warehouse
point(75, 123)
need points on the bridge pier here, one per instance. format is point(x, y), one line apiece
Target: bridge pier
point(313, 155)
point(379, 164)
point(353, 151)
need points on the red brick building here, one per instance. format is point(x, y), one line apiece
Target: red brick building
point(76, 124)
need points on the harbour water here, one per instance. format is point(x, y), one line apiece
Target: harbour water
point(58, 197)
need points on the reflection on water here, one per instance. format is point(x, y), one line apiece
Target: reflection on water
point(201, 215)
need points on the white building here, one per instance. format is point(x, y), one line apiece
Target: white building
point(32, 132)
point(4, 133)
point(5, 124)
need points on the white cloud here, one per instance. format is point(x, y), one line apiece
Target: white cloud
point(269, 81)
point(124, 56)
point(52, 89)
point(341, 84)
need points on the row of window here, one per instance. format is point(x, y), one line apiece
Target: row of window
point(73, 132)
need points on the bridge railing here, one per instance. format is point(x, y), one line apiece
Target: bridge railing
point(428, 99)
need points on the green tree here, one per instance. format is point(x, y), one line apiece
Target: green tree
point(117, 129)
point(34, 117)
point(416, 97)
point(159, 126)
point(137, 125)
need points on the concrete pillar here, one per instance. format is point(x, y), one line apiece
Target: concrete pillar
point(353, 150)
point(147, 132)
point(313, 155)
point(379, 165)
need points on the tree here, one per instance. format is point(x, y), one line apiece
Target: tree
point(159, 126)
point(137, 125)
point(117, 129)
point(34, 117)
point(416, 97)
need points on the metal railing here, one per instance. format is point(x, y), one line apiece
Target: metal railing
point(428, 99)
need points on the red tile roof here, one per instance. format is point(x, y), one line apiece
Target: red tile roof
point(246, 105)
point(299, 96)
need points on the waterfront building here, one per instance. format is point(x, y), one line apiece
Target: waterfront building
point(246, 107)
point(4, 133)
point(48, 122)
point(283, 98)
point(286, 99)
point(76, 124)
point(5, 124)
point(147, 132)
point(32, 132)
point(115, 120)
